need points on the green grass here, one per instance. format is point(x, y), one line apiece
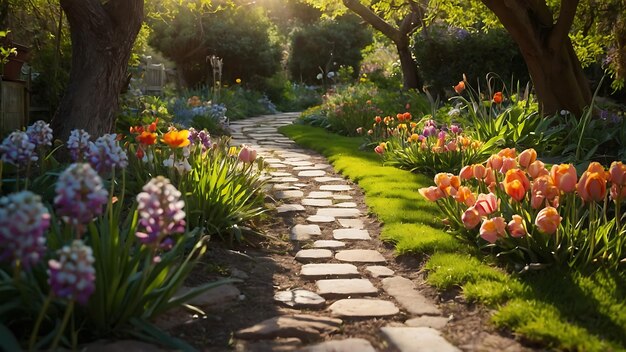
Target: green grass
point(556, 308)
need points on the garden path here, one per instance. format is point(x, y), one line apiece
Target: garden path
point(346, 289)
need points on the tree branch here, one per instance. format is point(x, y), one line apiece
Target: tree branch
point(373, 19)
point(563, 23)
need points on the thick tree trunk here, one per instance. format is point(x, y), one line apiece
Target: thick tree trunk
point(102, 35)
point(411, 78)
point(557, 74)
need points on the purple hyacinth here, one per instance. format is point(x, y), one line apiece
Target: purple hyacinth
point(80, 194)
point(160, 213)
point(23, 223)
point(40, 133)
point(106, 154)
point(202, 138)
point(17, 149)
point(73, 276)
point(78, 144)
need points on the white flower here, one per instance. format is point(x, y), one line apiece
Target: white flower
point(454, 112)
point(564, 112)
point(330, 74)
point(320, 76)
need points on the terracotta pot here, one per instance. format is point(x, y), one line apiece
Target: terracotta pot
point(12, 69)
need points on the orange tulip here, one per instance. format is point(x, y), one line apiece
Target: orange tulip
point(527, 157)
point(486, 204)
point(176, 139)
point(542, 189)
point(378, 119)
point(406, 116)
point(139, 154)
point(537, 169)
point(380, 149)
point(618, 192)
point(147, 138)
point(431, 193)
point(494, 162)
point(493, 228)
point(516, 227)
point(617, 173)
point(564, 177)
point(153, 125)
point(548, 220)
point(508, 152)
point(479, 171)
point(497, 98)
point(466, 173)
point(470, 218)
point(592, 184)
point(517, 174)
point(460, 87)
point(515, 190)
point(465, 195)
point(442, 180)
point(508, 164)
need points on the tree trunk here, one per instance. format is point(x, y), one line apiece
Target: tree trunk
point(410, 76)
point(102, 35)
point(557, 75)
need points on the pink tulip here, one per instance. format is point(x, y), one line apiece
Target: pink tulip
point(564, 177)
point(516, 227)
point(508, 164)
point(470, 218)
point(527, 157)
point(542, 189)
point(247, 154)
point(466, 172)
point(479, 171)
point(493, 228)
point(486, 204)
point(494, 162)
point(432, 193)
point(548, 220)
point(617, 173)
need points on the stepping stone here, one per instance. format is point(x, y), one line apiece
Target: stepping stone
point(317, 202)
point(277, 166)
point(300, 184)
point(346, 205)
point(340, 212)
point(417, 339)
point(284, 208)
point(335, 188)
point(313, 255)
point(272, 160)
point(283, 180)
point(321, 271)
point(318, 194)
point(319, 218)
point(280, 174)
point(328, 244)
point(352, 223)
point(124, 345)
point(403, 290)
point(300, 298)
point(284, 187)
point(379, 271)
point(428, 322)
point(303, 168)
point(304, 232)
point(328, 179)
point(289, 194)
point(345, 287)
point(311, 173)
point(305, 327)
point(214, 297)
point(360, 256)
point(351, 234)
point(322, 166)
point(298, 163)
point(342, 197)
point(363, 308)
point(347, 345)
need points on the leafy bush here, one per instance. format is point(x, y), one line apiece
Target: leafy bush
point(290, 96)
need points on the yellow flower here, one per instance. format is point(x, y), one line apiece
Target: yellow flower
point(176, 139)
point(238, 81)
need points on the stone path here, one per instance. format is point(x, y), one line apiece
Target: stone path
point(348, 279)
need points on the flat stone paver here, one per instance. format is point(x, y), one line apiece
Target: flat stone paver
point(420, 339)
point(311, 173)
point(325, 179)
point(342, 196)
point(277, 166)
point(360, 256)
point(300, 298)
point(347, 345)
point(319, 194)
point(363, 308)
point(351, 234)
point(321, 271)
point(284, 179)
point(352, 223)
point(289, 194)
point(313, 255)
point(304, 232)
point(298, 163)
point(379, 271)
point(319, 218)
point(340, 212)
point(403, 290)
point(216, 296)
point(328, 244)
point(317, 202)
point(280, 174)
point(428, 322)
point(346, 205)
point(304, 327)
point(284, 208)
point(335, 188)
point(284, 187)
point(345, 287)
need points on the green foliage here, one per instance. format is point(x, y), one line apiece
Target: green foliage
point(290, 96)
point(238, 35)
point(325, 47)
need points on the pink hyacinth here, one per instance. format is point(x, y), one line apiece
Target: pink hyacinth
point(80, 194)
point(23, 223)
point(78, 144)
point(40, 133)
point(106, 154)
point(161, 213)
point(73, 276)
point(17, 149)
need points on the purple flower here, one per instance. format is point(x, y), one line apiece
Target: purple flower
point(17, 149)
point(78, 144)
point(40, 133)
point(160, 213)
point(429, 130)
point(442, 135)
point(73, 276)
point(202, 138)
point(106, 154)
point(23, 223)
point(456, 129)
point(80, 194)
